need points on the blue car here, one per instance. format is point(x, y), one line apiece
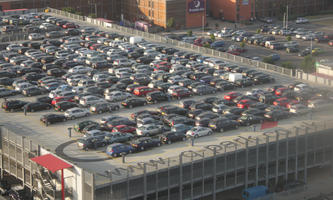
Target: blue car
point(218, 44)
point(116, 149)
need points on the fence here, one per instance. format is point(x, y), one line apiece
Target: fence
point(191, 47)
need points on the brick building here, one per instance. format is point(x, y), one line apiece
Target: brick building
point(158, 12)
point(233, 10)
point(19, 4)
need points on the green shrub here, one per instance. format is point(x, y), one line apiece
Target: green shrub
point(189, 33)
point(289, 38)
point(308, 64)
point(268, 59)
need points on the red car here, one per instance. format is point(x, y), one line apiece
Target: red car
point(281, 91)
point(236, 53)
point(231, 95)
point(59, 99)
point(124, 129)
point(142, 91)
point(70, 25)
point(285, 102)
point(330, 43)
point(181, 93)
point(165, 66)
point(245, 103)
point(95, 46)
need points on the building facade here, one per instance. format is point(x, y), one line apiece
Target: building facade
point(183, 13)
point(233, 10)
point(273, 8)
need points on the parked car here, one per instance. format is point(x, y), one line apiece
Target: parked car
point(81, 125)
point(52, 118)
point(117, 149)
point(117, 137)
point(169, 137)
point(36, 106)
point(90, 143)
point(199, 131)
point(103, 107)
point(13, 105)
point(144, 143)
point(74, 113)
point(149, 130)
point(133, 102)
point(222, 124)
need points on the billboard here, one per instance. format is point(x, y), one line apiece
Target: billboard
point(196, 6)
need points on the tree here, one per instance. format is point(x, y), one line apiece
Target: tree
point(287, 65)
point(212, 37)
point(308, 64)
point(189, 33)
point(207, 45)
point(170, 22)
point(242, 44)
point(289, 38)
point(92, 15)
point(258, 30)
point(68, 9)
point(268, 60)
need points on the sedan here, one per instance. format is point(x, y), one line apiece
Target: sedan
point(52, 118)
point(133, 102)
point(74, 113)
point(204, 89)
point(247, 120)
point(199, 131)
point(116, 137)
point(169, 137)
point(118, 149)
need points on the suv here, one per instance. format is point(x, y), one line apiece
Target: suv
point(13, 105)
point(117, 149)
point(103, 107)
point(90, 100)
point(154, 97)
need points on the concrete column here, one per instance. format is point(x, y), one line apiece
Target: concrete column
point(287, 156)
point(168, 178)
point(144, 181)
point(156, 180)
point(214, 175)
point(277, 142)
point(191, 178)
point(203, 174)
point(181, 176)
point(267, 160)
point(235, 164)
point(225, 167)
point(128, 185)
point(257, 161)
point(246, 163)
point(296, 156)
point(306, 155)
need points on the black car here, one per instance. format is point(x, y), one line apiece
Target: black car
point(166, 110)
point(144, 143)
point(13, 105)
point(181, 120)
point(187, 103)
point(154, 97)
point(52, 118)
point(32, 91)
point(262, 79)
point(5, 81)
point(247, 120)
point(44, 99)
point(169, 137)
point(103, 107)
point(244, 82)
point(202, 122)
point(90, 143)
point(201, 105)
point(37, 106)
point(277, 115)
point(222, 124)
point(65, 105)
point(193, 113)
point(133, 102)
point(234, 110)
point(253, 111)
point(33, 76)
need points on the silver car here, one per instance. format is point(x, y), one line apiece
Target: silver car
point(74, 113)
point(117, 96)
point(199, 131)
point(149, 130)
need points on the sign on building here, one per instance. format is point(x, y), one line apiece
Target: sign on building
point(196, 6)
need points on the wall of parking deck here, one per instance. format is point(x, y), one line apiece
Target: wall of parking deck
point(191, 47)
point(271, 159)
point(15, 154)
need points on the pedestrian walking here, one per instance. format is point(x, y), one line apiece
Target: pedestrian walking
point(192, 141)
point(25, 111)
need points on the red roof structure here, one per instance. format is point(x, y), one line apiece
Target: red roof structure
point(51, 162)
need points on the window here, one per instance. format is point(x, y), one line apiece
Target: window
point(152, 13)
point(149, 13)
point(152, 4)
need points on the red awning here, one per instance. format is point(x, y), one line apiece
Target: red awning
point(51, 162)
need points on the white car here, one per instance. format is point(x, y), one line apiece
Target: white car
point(299, 109)
point(74, 113)
point(21, 86)
point(149, 130)
point(117, 96)
point(35, 36)
point(80, 69)
point(301, 20)
point(199, 131)
point(90, 100)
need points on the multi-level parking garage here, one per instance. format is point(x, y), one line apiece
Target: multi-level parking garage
point(216, 163)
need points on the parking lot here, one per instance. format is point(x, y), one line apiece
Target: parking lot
point(319, 25)
point(89, 75)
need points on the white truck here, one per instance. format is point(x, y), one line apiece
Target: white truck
point(135, 39)
point(233, 77)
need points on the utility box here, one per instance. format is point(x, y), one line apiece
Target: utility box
point(135, 39)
